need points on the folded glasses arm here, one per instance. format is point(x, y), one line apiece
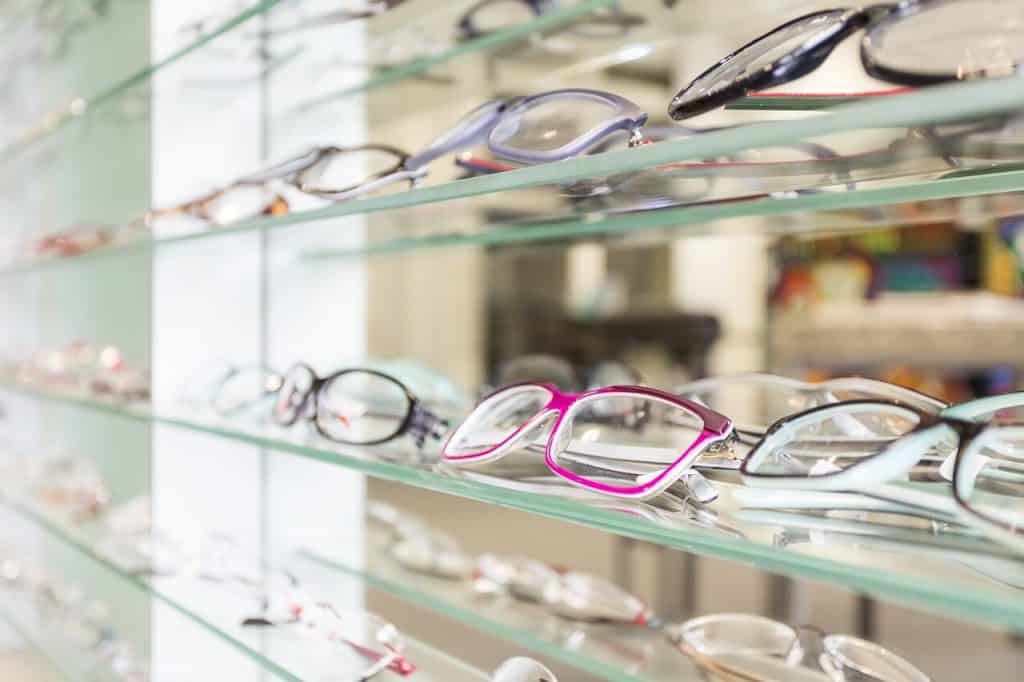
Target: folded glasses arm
point(424, 424)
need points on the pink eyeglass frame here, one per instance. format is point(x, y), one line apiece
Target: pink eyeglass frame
point(715, 428)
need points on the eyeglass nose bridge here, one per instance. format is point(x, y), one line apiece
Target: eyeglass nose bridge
point(807, 644)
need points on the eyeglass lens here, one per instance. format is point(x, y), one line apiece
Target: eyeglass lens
point(600, 429)
point(551, 123)
point(952, 40)
point(361, 407)
point(831, 440)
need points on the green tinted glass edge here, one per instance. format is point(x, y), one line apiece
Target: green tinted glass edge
point(936, 598)
point(940, 103)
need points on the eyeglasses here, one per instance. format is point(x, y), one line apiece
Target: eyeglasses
point(911, 42)
point(367, 634)
point(73, 241)
point(331, 172)
point(756, 401)
point(863, 446)
point(355, 407)
point(746, 648)
point(572, 595)
point(71, 485)
point(581, 446)
point(100, 370)
point(539, 129)
point(242, 388)
point(493, 16)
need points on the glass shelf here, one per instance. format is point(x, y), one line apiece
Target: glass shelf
point(880, 178)
point(78, 109)
point(918, 563)
point(219, 609)
point(611, 652)
point(898, 203)
point(444, 22)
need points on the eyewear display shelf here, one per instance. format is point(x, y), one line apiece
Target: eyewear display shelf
point(207, 604)
point(927, 567)
point(78, 110)
point(890, 194)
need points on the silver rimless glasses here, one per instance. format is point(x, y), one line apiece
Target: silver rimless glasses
point(744, 648)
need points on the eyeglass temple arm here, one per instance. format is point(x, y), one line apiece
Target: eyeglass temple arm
point(423, 424)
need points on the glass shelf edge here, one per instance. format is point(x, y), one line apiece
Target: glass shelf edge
point(401, 72)
point(55, 121)
point(479, 622)
point(958, 100)
point(996, 182)
point(928, 190)
point(53, 529)
point(988, 609)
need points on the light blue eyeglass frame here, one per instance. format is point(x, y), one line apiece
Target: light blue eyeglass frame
point(873, 477)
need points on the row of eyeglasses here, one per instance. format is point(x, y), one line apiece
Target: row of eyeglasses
point(94, 368)
point(849, 443)
point(79, 621)
point(552, 126)
point(728, 646)
point(724, 644)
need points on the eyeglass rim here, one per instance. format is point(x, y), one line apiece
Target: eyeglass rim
point(675, 635)
point(926, 420)
point(320, 384)
point(715, 427)
point(626, 116)
point(391, 174)
point(786, 68)
point(1006, 530)
point(467, 29)
point(903, 9)
point(831, 652)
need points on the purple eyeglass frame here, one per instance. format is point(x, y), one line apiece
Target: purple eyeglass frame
point(715, 428)
point(480, 124)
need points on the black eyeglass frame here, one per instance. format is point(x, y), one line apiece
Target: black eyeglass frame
point(419, 421)
point(809, 56)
